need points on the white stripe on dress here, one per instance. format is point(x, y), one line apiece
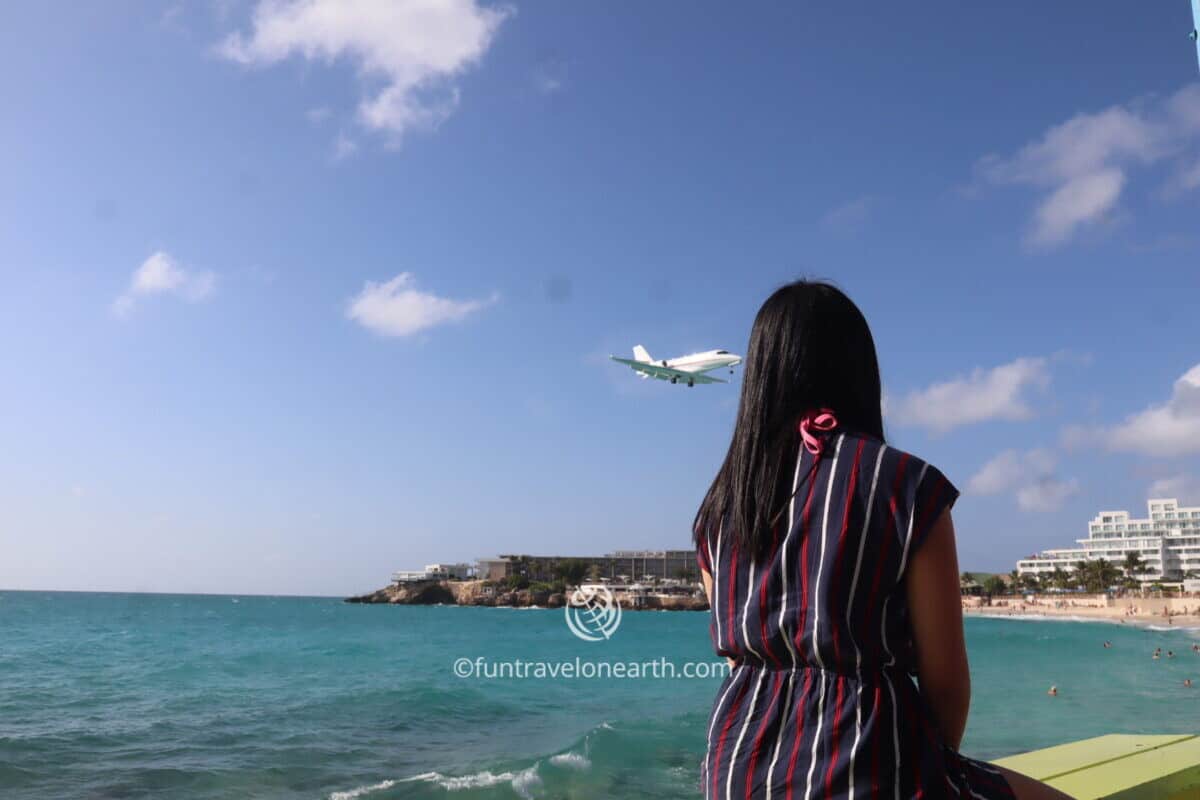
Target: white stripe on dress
point(783, 719)
point(783, 631)
point(714, 558)
point(862, 537)
point(715, 716)
point(746, 612)
point(762, 673)
point(899, 572)
point(783, 565)
point(837, 450)
point(911, 513)
point(812, 764)
point(812, 761)
point(895, 730)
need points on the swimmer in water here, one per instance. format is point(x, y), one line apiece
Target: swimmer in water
point(1170, 654)
point(1107, 644)
point(1187, 682)
point(1053, 691)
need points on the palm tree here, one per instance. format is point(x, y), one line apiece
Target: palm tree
point(1060, 578)
point(1081, 574)
point(1106, 575)
point(1134, 567)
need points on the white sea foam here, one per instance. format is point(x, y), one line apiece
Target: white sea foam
point(350, 794)
point(573, 760)
point(525, 782)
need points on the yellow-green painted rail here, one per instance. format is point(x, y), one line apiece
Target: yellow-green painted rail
point(1118, 767)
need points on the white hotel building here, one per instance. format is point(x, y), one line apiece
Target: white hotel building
point(1168, 541)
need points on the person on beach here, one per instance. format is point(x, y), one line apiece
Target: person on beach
point(829, 561)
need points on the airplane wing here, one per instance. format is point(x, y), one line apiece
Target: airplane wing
point(1196, 27)
point(666, 373)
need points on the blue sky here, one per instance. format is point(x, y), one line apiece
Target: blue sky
point(297, 294)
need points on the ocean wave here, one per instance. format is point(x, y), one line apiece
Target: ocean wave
point(350, 794)
point(573, 760)
point(525, 783)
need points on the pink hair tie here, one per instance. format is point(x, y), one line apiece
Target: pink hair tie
point(820, 421)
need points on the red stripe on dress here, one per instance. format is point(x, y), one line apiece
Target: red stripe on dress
point(758, 737)
point(841, 549)
point(799, 726)
point(762, 597)
point(731, 579)
point(730, 717)
point(837, 717)
point(876, 740)
point(877, 580)
point(805, 515)
point(927, 512)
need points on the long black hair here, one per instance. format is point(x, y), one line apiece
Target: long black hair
point(810, 348)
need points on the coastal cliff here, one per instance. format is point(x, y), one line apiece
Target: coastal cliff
point(484, 593)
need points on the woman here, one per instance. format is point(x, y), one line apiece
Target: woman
point(830, 566)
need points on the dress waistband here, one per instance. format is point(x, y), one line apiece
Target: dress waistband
point(864, 673)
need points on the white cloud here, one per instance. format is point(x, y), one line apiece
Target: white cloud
point(1030, 475)
point(161, 274)
point(1046, 494)
point(398, 308)
point(991, 394)
point(343, 147)
point(410, 51)
point(1084, 163)
point(1169, 429)
point(1183, 487)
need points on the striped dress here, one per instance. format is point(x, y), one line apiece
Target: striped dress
point(822, 702)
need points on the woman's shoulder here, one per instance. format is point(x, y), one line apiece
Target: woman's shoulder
point(906, 480)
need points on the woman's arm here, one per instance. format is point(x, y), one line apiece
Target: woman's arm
point(935, 607)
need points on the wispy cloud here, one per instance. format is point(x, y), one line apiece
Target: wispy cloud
point(550, 75)
point(849, 216)
point(1163, 430)
point(1185, 487)
point(1083, 165)
point(161, 274)
point(999, 393)
point(1029, 475)
point(416, 50)
point(398, 308)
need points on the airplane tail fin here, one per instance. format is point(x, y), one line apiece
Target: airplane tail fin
point(640, 354)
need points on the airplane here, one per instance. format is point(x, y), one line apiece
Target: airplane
point(689, 369)
point(1195, 34)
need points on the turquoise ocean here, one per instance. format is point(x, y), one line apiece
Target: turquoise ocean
point(164, 696)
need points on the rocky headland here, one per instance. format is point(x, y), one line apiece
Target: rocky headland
point(485, 593)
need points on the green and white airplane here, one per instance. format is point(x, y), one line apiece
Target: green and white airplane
point(1195, 34)
point(688, 369)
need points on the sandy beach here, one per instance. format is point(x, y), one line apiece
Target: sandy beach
point(1158, 612)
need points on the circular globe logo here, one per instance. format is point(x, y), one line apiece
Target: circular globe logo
point(593, 613)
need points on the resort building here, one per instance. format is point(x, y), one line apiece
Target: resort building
point(621, 565)
point(1168, 540)
point(457, 572)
